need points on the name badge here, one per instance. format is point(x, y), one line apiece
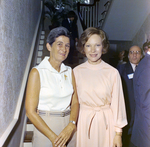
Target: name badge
point(130, 76)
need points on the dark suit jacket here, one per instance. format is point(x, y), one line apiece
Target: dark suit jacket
point(127, 73)
point(141, 82)
point(73, 29)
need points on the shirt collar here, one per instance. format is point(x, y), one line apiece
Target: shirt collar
point(69, 20)
point(133, 66)
point(148, 52)
point(45, 64)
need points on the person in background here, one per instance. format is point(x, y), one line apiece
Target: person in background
point(123, 57)
point(141, 83)
point(127, 72)
point(102, 110)
point(145, 48)
point(51, 98)
point(70, 24)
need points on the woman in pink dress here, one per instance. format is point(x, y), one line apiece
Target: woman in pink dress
point(102, 109)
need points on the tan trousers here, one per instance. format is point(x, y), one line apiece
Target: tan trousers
point(56, 124)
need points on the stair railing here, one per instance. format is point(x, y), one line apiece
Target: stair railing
point(93, 15)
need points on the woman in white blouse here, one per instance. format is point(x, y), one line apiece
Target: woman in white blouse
point(51, 98)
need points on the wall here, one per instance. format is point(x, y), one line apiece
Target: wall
point(141, 37)
point(143, 34)
point(14, 139)
point(122, 45)
point(18, 20)
point(125, 18)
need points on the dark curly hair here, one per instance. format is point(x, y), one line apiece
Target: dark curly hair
point(87, 34)
point(56, 32)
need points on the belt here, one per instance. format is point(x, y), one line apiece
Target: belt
point(94, 110)
point(54, 113)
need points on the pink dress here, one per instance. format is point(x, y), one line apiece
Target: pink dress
point(102, 108)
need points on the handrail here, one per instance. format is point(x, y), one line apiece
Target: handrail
point(80, 17)
point(93, 15)
point(79, 14)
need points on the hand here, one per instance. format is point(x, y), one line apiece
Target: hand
point(117, 141)
point(53, 138)
point(64, 136)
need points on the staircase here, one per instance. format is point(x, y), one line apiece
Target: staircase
point(93, 15)
point(28, 134)
point(29, 126)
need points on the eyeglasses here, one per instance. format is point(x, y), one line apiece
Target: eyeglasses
point(135, 52)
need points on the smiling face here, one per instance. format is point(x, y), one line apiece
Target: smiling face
point(59, 49)
point(93, 49)
point(135, 55)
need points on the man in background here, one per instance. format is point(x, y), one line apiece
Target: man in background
point(70, 24)
point(141, 83)
point(127, 72)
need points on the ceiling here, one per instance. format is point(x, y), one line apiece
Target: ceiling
point(125, 18)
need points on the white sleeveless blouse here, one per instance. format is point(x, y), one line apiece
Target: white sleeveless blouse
point(56, 87)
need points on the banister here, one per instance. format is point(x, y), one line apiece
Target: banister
point(79, 14)
point(93, 15)
point(107, 3)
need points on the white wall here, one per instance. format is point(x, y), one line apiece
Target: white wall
point(125, 18)
point(143, 34)
point(18, 21)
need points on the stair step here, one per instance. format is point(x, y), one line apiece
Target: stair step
point(28, 136)
point(107, 3)
point(28, 121)
point(29, 127)
point(27, 144)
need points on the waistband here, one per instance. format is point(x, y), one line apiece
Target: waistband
point(95, 108)
point(94, 111)
point(54, 113)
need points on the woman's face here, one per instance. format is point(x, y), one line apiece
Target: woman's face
point(93, 49)
point(59, 49)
